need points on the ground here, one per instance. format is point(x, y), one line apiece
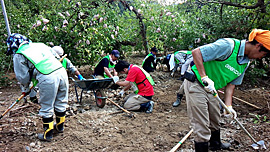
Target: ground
point(89, 128)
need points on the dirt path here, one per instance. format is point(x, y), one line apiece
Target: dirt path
point(89, 128)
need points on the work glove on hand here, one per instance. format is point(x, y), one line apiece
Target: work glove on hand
point(121, 93)
point(115, 79)
point(209, 84)
point(80, 77)
point(226, 114)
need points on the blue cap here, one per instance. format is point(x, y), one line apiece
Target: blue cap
point(115, 53)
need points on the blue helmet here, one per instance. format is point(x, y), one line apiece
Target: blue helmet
point(14, 41)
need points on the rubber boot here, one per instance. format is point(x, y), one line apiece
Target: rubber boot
point(144, 106)
point(178, 100)
point(215, 142)
point(48, 129)
point(60, 119)
point(201, 146)
point(151, 107)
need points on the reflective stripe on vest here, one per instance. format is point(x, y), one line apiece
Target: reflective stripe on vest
point(40, 55)
point(223, 72)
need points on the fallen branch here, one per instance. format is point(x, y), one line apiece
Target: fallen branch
point(242, 101)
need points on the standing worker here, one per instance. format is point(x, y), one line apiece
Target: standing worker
point(142, 84)
point(67, 64)
point(149, 62)
point(219, 64)
point(36, 61)
point(105, 67)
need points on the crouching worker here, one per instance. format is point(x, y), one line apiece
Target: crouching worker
point(36, 61)
point(142, 84)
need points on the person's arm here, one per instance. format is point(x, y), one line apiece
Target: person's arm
point(198, 60)
point(107, 71)
point(21, 69)
point(123, 83)
point(114, 72)
point(229, 89)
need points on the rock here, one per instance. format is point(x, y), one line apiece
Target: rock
point(32, 144)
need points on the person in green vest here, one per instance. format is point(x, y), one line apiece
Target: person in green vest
point(67, 64)
point(149, 62)
point(37, 61)
point(105, 67)
point(217, 65)
point(179, 59)
point(142, 84)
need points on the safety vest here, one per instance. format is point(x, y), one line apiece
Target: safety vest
point(223, 72)
point(185, 52)
point(110, 66)
point(40, 56)
point(148, 77)
point(64, 63)
point(147, 58)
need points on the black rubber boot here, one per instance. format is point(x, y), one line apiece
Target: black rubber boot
point(215, 142)
point(48, 129)
point(151, 107)
point(178, 100)
point(201, 146)
point(60, 119)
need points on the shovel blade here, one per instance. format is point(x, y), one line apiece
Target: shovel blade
point(258, 145)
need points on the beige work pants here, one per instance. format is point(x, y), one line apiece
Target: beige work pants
point(203, 110)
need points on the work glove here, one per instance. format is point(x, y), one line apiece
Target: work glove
point(121, 93)
point(226, 114)
point(80, 77)
point(115, 79)
point(209, 84)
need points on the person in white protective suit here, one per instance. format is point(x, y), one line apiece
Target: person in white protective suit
point(37, 62)
point(67, 64)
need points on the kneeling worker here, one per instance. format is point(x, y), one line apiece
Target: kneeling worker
point(142, 84)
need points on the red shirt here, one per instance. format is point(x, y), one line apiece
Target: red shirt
point(136, 75)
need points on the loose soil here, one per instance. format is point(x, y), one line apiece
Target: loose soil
point(108, 129)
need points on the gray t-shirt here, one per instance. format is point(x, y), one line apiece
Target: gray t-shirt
point(220, 50)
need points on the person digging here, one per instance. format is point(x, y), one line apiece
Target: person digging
point(142, 84)
point(37, 61)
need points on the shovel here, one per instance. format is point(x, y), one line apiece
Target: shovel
point(256, 144)
point(181, 141)
point(131, 115)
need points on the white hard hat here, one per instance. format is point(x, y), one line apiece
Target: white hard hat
point(59, 50)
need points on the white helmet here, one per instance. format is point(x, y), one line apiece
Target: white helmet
point(59, 50)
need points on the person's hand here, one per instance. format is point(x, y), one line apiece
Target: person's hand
point(209, 84)
point(115, 79)
point(121, 93)
point(233, 115)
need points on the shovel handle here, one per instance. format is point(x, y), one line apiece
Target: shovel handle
point(225, 107)
point(181, 141)
point(13, 104)
point(119, 106)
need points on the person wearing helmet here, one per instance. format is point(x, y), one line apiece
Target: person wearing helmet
point(217, 65)
point(105, 67)
point(149, 62)
point(37, 62)
point(67, 63)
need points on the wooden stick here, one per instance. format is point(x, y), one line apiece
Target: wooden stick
point(242, 101)
point(181, 141)
point(119, 106)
